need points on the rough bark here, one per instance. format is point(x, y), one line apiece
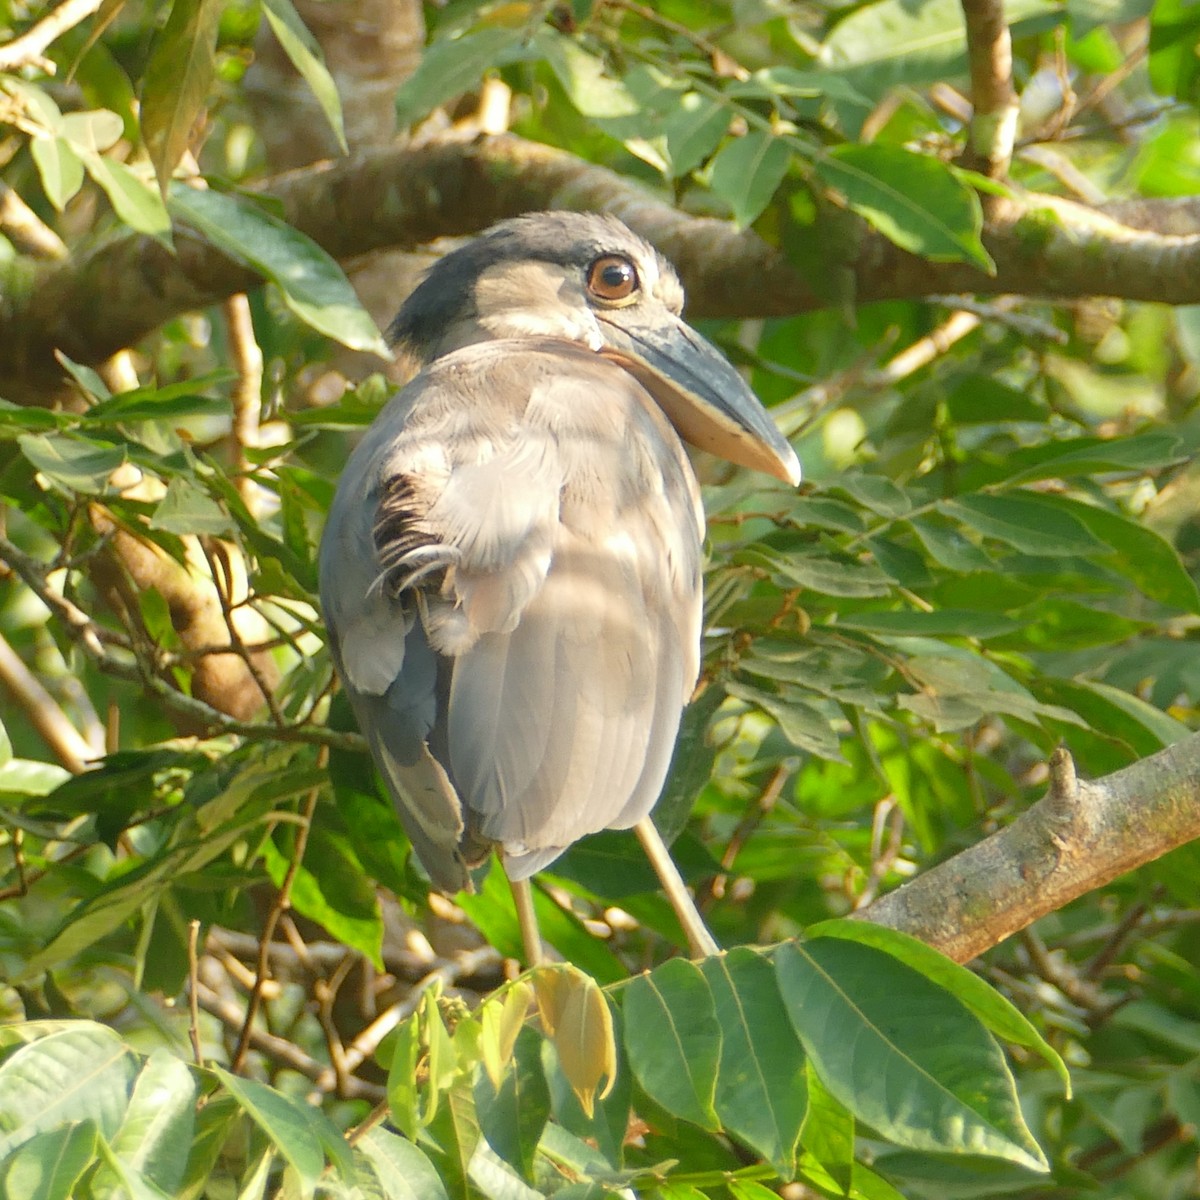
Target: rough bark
point(1077, 838)
point(406, 197)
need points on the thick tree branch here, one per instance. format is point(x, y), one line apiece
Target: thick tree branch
point(397, 197)
point(29, 49)
point(1077, 838)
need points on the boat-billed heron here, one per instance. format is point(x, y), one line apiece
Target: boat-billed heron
point(511, 568)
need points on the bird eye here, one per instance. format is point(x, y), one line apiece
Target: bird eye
point(612, 277)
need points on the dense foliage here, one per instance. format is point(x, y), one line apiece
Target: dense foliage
point(216, 954)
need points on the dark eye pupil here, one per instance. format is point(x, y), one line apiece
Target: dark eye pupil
point(615, 275)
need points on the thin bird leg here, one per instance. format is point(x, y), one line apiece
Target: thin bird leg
point(699, 939)
point(531, 938)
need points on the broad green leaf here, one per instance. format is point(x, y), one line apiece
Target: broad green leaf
point(496, 1179)
point(133, 1184)
point(186, 509)
point(48, 1165)
point(404, 1173)
point(691, 765)
point(404, 1100)
point(583, 77)
point(59, 167)
point(452, 66)
point(915, 200)
point(828, 1131)
point(761, 1095)
point(73, 463)
point(865, 1019)
point(693, 130)
point(1140, 554)
point(999, 1014)
point(513, 1115)
point(949, 548)
point(673, 1040)
point(176, 82)
point(875, 492)
point(81, 1072)
point(92, 132)
point(746, 173)
point(305, 53)
point(1174, 30)
point(1113, 713)
point(943, 622)
point(1031, 523)
point(156, 1134)
point(1068, 458)
point(134, 200)
point(313, 285)
point(802, 724)
point(288, 1124)
point(882, 45)
point(829, 576)
point(453, 1138)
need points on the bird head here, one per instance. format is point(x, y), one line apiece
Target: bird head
point(588, 279)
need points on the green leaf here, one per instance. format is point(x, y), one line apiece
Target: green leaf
point(186, 509)
point(404, 1173)
point(693, 130)
point(313, 285)
point(134, 200)
point(73, 463)
point(747, 172)
point(305, 53)
point(999, 1014)
point(943, 622)
point(1140, 554)
point(175, 85)
point(156, 1134)
point(452, 66)
point(865, 1020)
point(1071, 457)
point(48, 1165)
point(829, 576)
point(513, 1116)
point(132, 1183)
point(1113, 713)
point(59, 167)
point(673, 1040)
point(882, 45)
point(1031, 523)
point(288, 1124)
point(915, 200)
point(806, 727)
point(79, 1072)
point(828, 1131)
point(761, 1095)
point(584, 78)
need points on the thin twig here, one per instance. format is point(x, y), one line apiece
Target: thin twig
point(193, 990)
point(27, 50)
point(247, 394)
point(222, 576)
point(278, 908)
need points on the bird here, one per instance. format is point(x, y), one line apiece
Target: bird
point(510, 570)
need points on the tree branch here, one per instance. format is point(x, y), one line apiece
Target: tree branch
point(1077, 838)
point(406, 197)
point(28, 49)
point(989, 53)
